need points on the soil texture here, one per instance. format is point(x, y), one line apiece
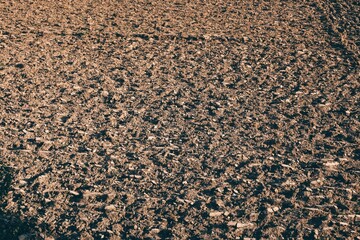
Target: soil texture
point(179, 119)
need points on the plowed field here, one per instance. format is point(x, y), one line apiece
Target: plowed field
point(179, 119)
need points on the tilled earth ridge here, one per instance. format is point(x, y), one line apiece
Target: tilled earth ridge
point(179, 120)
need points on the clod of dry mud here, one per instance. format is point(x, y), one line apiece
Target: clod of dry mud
point(179, 120)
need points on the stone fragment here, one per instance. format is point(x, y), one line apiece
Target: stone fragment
point(245, 225)
point(273, 209)
point(74, 193)
point(215, 214)
point(22, 183)
point(232, 224)
point(110, 207)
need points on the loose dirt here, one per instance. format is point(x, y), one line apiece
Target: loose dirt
point(179, 119)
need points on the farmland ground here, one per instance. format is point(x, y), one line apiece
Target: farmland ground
point(179, 119)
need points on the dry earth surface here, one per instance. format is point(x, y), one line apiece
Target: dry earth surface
point(179, 119)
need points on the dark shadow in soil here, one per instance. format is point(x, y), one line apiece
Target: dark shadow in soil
point(11, 227)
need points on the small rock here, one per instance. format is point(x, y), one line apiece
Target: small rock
point(254, 217)
point(220, 203)
point(232, 224)
point(110, 208)
point(155, 230)
point(273, 209)
point(74, 193)
point(245, 225)
point(215, 214)
point(22, 183)
point(307, 193)
point(317, 183)
point(105, 93)
point(331, 164)
point(245, 39)
point(151, 138)
point(227, 81)
point(136, 176)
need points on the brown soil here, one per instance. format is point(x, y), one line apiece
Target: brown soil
point(179, 119)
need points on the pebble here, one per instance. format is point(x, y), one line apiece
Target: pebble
point(316, 183)
point(105, 93)
point(110, 208)
point(244, 225)
point(254, 217)
point(232, 224)
point(273, 209)
point(331, 164)
point(215, 214)
point(155, 230)
point(22, 183)
point(151, 138)
point(74, 193)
